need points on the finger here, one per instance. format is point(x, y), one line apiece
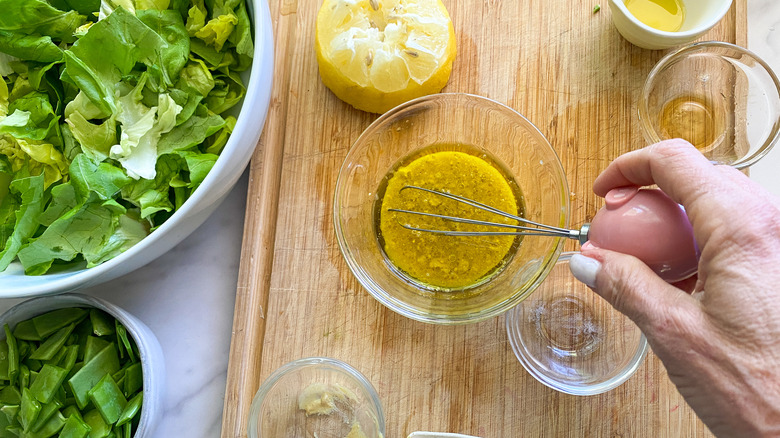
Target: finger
point(675, 166)
point(632, 288)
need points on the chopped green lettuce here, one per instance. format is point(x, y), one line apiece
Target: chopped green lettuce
point(111, 116)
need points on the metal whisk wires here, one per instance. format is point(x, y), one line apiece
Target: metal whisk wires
point(529, 228)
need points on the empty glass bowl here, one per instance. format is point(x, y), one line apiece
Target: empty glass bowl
point(320, 383)
point(720, 97)
point(485, 126)
point(571, 340)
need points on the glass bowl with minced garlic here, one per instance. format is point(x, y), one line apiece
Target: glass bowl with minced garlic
point(463, 145)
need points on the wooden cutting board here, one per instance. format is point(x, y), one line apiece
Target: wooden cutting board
point(569, 72)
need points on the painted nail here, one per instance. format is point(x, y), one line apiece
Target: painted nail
point(584, 269)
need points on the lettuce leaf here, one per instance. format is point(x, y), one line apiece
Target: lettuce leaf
point(32, 199)
point(35, 17)
point(30, 47)
point(110, 49)
point(82, 218)
point(141, 130)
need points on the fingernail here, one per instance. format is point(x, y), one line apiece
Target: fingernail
point(584, 269)
point(588, 245)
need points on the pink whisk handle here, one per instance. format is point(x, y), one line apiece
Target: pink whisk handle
point(647, 224)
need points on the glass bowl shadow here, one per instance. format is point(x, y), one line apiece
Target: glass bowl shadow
point(450, 119)
point(275, 410)
point(722, 98)
point(572, 340)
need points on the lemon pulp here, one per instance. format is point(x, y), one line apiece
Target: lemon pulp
point(377, 54)
point(440, 261)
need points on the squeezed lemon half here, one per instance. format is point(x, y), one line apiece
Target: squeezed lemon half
point(376, 54)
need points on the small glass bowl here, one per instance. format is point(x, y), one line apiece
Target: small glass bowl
point(571, 340)
point(461, 119)
point(275, 411)
point(722, 98)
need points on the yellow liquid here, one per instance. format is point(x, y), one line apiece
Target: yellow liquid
point(439, 262)
point(665, 15)
point(694, 119)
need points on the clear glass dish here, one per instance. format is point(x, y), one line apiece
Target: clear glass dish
point(571, 340)
point(483, 125)
point(275, 410)
point(722, 98)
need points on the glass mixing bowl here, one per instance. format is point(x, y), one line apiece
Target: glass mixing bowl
point(571, 340)
point(722, 98)
point(485, 126)
point(276, 408)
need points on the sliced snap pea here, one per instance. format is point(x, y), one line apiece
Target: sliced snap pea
point(93, 346)
point(24, 376)
point(28, 410)
point(50, 322)
point(53, 344)
point(48, 382)
point(105, 362)
point(10, 412)
point(131, 409)
point(54, 425)
point(71, 355)
point(13, 354)
point(10, 395)
point(33, 365)
point(75, 427)
point(102, 322)
point(134, 379)
point(47, 411)
point(4, 361)
point(25, 330)
point(124, 341)
point(95, 421)
point(71, 410)
point(108, 399)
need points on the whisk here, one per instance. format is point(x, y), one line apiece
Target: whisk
point(644, 223)
point(536, 229)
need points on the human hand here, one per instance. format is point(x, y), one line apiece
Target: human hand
point(721, 344)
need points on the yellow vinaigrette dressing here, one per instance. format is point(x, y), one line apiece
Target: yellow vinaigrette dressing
point(665, 15)
point(436, 261)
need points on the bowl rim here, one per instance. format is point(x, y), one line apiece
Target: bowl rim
point(151, 357)
point(281, 372)
point(399, 306)
point(643, 112)
point(256, 103)
point(688, 34)
point(582, 390)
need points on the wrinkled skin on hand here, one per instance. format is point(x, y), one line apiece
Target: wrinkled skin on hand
point(721, 343)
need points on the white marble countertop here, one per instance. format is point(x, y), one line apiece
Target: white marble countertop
point(187, 296)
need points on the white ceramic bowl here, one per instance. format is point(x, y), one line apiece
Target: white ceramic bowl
point(152, 359)
point(224, 174)
point(700, 16)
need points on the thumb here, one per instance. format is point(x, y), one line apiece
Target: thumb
point(631, 287)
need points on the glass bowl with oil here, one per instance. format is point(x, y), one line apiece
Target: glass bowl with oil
point(465, 145)
point(721, 98)
point(571, 339)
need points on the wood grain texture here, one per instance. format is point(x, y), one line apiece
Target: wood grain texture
point(571, 74)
